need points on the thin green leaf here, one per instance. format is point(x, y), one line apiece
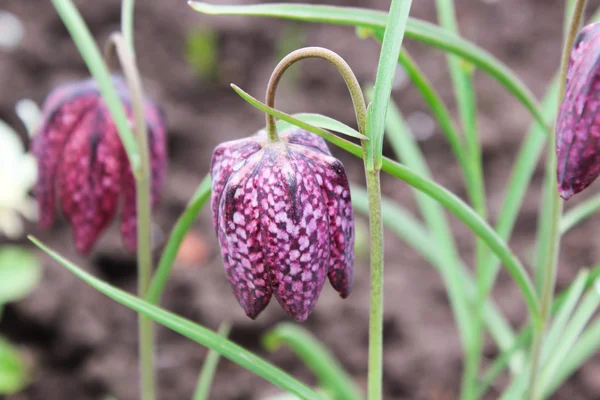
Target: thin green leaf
point(415, 29)
point(93, 59)
point(386, 71)
point(520, 177)
point(580, 213)
point(13, 371)
point(181, 228)
point(575, 327)
point(410, 230)
point(523, 339)
point(561, 350)
point(210, 366)
point(187, 328)
point(437, 106)
point(586, 347)
point(437, 192)
point(409, 153)
point(20, 272)
point(495, 369)
point(315, 356)
point(560, 321)
point(324, 122)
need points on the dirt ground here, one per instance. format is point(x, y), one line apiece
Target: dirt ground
point(83, 345)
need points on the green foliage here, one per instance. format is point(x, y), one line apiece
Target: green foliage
point(20, 272)
point(201, 52)
point(14, 374)
point(573, 333)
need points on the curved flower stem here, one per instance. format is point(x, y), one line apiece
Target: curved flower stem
point(117, 44)
point(374, 191)
point(342, 66)
point(127, 8)
point(547, 268)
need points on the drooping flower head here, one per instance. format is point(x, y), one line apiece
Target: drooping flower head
point(83, 164)
point(284, 220)
point(578, 124)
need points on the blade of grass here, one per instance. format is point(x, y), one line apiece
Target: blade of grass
point(437, 192)
point(589, 305)
point(407, 228)
point(520, 177)
point(187, 328)
point(560, 321)
point(316, 357)
point(558, 354)
point(415, 29)
point(386, 71)
point(460, 74)
point(586, 347)
point(210, 366)
point(409, 153)
point(561, 300)
point(580, 213)
point(500, 363)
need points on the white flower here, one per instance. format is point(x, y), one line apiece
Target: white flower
point(18, 174)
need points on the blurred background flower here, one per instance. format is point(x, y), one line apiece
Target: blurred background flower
point(18, 174)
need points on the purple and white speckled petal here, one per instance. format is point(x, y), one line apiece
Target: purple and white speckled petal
point(60, 121)
point(88, 178)
point(305, 138)
point(331, 177)
point(578, 124)
point(225, 159)
point(241, 239)
point(295, 229)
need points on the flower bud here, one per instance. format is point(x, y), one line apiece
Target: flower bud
point(284, 221)
point(83, 164)
point(578, 123)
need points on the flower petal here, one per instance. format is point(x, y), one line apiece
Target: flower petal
point(240, 237)
point(48, 145)
point(331, 177)
point(89, 177)
point(578, 123)
point(295, 231)
point(227, 158)
point(305, 138)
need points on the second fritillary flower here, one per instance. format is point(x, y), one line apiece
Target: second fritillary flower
point(284, 220)
point(80, 156)
point(578, 124)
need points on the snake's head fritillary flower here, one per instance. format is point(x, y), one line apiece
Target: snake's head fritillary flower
point(578, 124)
point(83, 164)
point(284, 221)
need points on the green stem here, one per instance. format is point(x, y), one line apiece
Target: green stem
point(127, 9)
point(343, 68)
point(547, 268)
point(144, 256)
point(373, 187)
point(376, 307)
point(210, 366)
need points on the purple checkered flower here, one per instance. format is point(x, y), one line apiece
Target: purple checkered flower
point(284, 220)
point(83, 164)
point(578, 124)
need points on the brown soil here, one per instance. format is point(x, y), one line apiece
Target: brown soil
point(83, 345)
